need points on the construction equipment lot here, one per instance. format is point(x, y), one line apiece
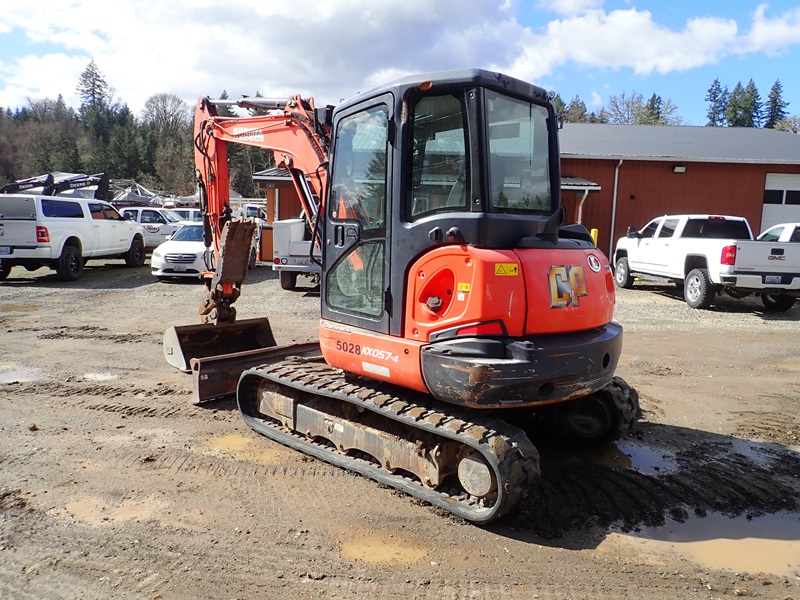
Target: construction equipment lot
point(115, 485)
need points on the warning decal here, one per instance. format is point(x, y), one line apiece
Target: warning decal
point(506, 269)
point(463, 288)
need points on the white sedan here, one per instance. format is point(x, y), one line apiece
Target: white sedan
point(182, 255)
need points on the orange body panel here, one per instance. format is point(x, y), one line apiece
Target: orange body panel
point(566, 296)
point(532, 291)
point(381, 357)
point(465, 279)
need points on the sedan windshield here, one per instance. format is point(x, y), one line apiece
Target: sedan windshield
point(189, 233)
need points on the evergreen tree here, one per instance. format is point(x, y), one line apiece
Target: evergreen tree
point(576, 111)
point(717, 98)
point(776, 106)
point(560, 106)
point(736, 110)
point(753, 105)
point(92, 87)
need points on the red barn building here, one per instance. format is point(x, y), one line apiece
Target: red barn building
point(644, 171)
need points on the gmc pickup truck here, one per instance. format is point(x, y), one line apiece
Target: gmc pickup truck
point(63, 233)
point(709, 255)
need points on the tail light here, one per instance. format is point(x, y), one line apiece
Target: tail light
point(490, 328)
point(42, 235)
point(728, 255)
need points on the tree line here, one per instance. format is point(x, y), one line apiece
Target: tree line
point(741, 107)
point(157, 150)
point(103, 135)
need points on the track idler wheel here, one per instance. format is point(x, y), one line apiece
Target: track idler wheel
point(602, 417)
point(475, 476)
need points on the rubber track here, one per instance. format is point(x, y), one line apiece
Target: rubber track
point(506, 448)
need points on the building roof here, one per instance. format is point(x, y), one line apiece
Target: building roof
point(567, 182)
point(667, 143)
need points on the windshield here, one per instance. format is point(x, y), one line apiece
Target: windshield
point(189, 233)
point(172, 216)
point(519, 165)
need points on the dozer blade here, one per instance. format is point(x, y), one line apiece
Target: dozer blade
point(186, 342)
point(217, 376)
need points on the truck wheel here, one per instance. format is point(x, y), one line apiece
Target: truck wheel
point(5, 268)
point(288, 280)
point(134, 257)
point(251, 264)
point(70, 264)
point(698, 291)
point(777, 302)
point(622, 274)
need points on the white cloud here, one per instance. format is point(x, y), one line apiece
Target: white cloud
point(333, 49)
point(772, 36)
point(626, 39)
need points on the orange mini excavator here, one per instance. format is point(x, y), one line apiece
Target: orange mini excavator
point(456, 307)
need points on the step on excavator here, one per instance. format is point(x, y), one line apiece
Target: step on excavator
point(456, 307)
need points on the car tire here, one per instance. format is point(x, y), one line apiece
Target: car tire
point(5, 268)
point(251, 264)
point(288, 280)
point(698, 291)
point(69, 265)
point(622, 274)
point(777, 302)
point(135, 255)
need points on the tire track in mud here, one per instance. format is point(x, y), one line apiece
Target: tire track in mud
point(90, 332)
point(709, 474)
point(74, 388)
point(782, 428)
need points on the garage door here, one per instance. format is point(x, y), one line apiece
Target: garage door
point(781, 199)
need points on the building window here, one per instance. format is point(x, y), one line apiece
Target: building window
point(773, 196)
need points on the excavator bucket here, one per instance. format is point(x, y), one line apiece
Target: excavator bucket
point(183, 343)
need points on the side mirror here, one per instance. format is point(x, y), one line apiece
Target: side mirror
point(632, 232)
point(161, 220)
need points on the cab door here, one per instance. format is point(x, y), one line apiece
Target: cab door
point(356, 253)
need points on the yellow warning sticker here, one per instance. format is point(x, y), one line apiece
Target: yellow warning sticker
point(506, 269)
point(463, 288)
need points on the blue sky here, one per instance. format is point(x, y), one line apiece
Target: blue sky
point(331, 49)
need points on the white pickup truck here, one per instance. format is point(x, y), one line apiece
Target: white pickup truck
point(707, 255)
point(290, 252)
point(63, 233)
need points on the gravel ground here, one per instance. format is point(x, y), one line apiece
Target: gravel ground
point(112, 485)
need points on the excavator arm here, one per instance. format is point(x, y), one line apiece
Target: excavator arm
point(298, 135)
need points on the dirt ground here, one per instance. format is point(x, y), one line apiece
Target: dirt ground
point(115, 486)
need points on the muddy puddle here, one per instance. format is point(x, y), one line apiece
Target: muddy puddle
point(764, 544)
point(644, 459)
point(7, 307)
point(383, 547)
point(248, 448)
point(11, 373)
point(95, 511)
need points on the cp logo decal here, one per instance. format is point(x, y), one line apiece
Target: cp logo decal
point(567, 285)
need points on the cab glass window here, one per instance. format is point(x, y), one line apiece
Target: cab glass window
point(62, 209)
point(650, 229)
point(668, 228)
point(519, 165)
point(771, 235)
point(97, 211)
point(438, 173)
point(358, 182)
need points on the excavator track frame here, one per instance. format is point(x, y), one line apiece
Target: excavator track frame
point(506, 449)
